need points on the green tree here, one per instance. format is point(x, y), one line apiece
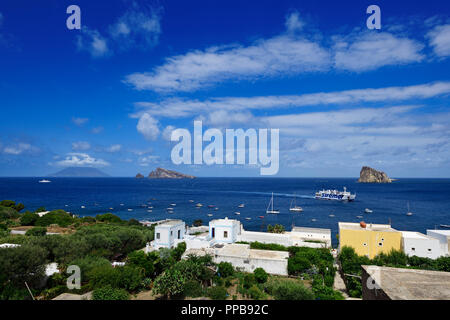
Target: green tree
point(170, 283)
point(37, 231)
point(261, 275)
point(109, 293)
point(28, 219)
point(225, 269)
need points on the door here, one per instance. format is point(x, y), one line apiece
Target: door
point(213, 232)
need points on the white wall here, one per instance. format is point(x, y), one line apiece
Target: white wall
point(168, 233)
point(265, 237)
point(222, 226)
point(443, 240)
point(421, 247)
point(277, 267)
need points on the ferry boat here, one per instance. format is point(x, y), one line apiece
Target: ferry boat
point(44, 181)
point(335, 195)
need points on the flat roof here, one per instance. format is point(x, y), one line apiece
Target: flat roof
point(369, 226)
point(244, 251)
point(414, 235)
point(411, 284)
point(443, 232)
point(170, 223)
point(315, 230)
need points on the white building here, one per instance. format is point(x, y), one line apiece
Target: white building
point(246, 259)
point(167, 233)
point(224, 230)
point(9, 245)
point(300, 235)
point(444, 240)
point(420, 245)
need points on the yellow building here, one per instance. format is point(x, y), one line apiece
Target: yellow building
point(369, 239)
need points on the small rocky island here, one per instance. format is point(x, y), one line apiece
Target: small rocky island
point(139, 176)
point(370, 175)
point(161, 173)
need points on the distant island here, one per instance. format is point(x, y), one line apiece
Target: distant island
point(139, 176)
point(370, 175)
point(79, 172)
point(161, 173)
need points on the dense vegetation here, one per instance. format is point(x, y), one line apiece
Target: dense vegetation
point(351, 265)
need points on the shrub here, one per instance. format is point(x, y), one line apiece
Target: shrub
point(28, 219)
point(225, 269)
point(170, 283)
point(217, 293)
point(249, 280)
point(54, 292)
point(37, 231)
point(197, 223)
point(326, 293)
point(278, 228)
point(8, 213)
point(109, 293)
point(261, 275)
point(142, 260)
point(88, 219)
point(89, 263)
point(192, 289)
point(59, 217)
point(288, 290)
point(255, 293)
point(178, 251)
point(108, 217)
point(298, 264)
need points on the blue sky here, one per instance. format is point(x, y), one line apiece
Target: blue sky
point(109, 95)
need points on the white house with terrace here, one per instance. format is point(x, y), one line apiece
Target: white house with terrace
point(219, 241)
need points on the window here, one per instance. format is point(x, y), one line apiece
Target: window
point(364, 244)
point(225, 234)
point(171, 233)
point(158, 236)
point(413, 249)
point(380, 244)
point(213, 232)
point(429, 250)
point(179, 234)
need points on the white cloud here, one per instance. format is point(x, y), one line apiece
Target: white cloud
point(439, 39)
point(20, 148)
point(167, 132)
point(293, 22)
point(180, 108)
point(97, 130)
point(81, 160)
point(114, 148)
point(369, 51)
point(138, 27)
point(148, 127)
point(81, 146)
point(146, 161)
point(93, 42)
point(288, 54)
point(79, 121)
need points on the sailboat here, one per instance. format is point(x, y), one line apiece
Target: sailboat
point(271, 211)
point(295, 208)
point(409, 213)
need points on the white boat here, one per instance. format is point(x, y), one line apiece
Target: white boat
point(216, 208)
point(237, 213)
point(241, 205)
point(199, 205)
point(271, 211)
point(122, 204)
point(313, 220)
point(335, 195)
point(173, 204)
point(248, 218)
point(295, 208)
point(130, 209)
point(82, 207)
point(111, 208)
point(149, 210)
point(359, 217)
point(409, 213)
point(44, 181)
point(191, 201)
point(332, 215)
point(210, 215)
point(367, 210)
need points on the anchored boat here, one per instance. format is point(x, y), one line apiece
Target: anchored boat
point(295, 208)
point(271, 211)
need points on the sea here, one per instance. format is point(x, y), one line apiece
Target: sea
point(428, 199)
